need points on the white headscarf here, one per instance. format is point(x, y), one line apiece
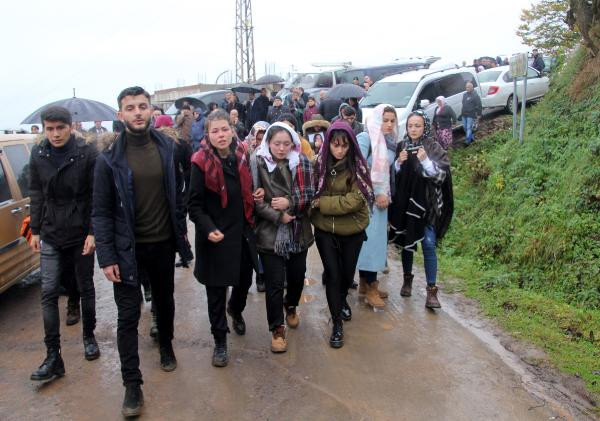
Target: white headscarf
point(293, 157)
point(380, 165)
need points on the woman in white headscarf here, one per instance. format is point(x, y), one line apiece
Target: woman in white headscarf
point(443, 119)
point(283, 229)
point(378, 145)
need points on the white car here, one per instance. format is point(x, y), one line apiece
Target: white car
point(418, 89)
point(497, 87)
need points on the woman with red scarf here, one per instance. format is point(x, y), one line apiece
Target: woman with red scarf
point(221, 205)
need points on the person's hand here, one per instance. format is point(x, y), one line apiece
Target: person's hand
point(315, 203)
point(112, 273)
point(34, 243)
point(381, 201)
point(215, 236)
point(421, 154)
point(403, 156)
point(89, 246)
point(259, 195)
point(280, 203)
point(287, 218)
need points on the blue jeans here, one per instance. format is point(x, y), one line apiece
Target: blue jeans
point(429, 256)
point(468, 125)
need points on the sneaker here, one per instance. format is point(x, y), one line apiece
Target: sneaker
point(133, 401)
point(220, 357)
point(168, 362)
point(278, 342)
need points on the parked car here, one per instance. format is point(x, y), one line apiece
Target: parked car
point(497, 87)
point(418, 89)
point(17, 260)
point(207, 97)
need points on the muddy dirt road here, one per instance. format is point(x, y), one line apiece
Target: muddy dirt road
point(403, 363)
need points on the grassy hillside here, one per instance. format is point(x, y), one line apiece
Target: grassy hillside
point(525, 239)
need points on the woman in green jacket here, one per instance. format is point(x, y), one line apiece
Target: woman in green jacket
point(340, 215)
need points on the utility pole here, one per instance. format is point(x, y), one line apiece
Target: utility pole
point(244, 42)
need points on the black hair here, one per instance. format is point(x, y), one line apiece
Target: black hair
point(273, 131)
point(348, 111)
point(186, 107)
point(157, 108)
point(36, 126)
point(56, 113)
point(289, 117)
point(132, 91)
point(215, 115)
point(390, 109)
point(118, 126)
point(350, 160)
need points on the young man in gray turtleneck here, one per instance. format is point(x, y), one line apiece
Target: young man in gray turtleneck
point(138, 217)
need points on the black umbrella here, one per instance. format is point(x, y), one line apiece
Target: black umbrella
point(268, 79)
point(80, 109)
point(194, 102)
point(346, 90)
point(245, 88)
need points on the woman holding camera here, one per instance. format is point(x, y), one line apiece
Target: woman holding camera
point(423, 203)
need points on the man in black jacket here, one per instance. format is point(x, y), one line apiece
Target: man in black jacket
point(329, 108)
point(138, 220)
point(61, 180)
point(538, 61)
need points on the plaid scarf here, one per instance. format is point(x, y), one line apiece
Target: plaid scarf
point(214, 179)
point(288, 235)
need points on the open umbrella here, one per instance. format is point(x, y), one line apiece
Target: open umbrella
point(245, 88)
point(80, 109)
point(346, 90)
point(268, 79)
point(194, 102)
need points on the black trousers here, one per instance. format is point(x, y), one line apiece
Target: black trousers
point(217, 296)
point(158, 261)
point(276, 270)
point(339, 254)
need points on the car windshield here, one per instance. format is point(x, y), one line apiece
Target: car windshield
point(304, 80)
point(488, 76)
point(397, 94)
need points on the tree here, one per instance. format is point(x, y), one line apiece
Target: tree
point(544, 26)
point(584, 16)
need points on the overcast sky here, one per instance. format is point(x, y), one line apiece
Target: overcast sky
point(51, 47)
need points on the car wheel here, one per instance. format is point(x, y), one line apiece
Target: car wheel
point(509, 105)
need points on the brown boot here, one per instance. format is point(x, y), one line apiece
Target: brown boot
point(432, 301)
point(278, 342)
point(382, 293)
point(372, 296)
point(291, 317)
point(362, 286)
point(406, 290)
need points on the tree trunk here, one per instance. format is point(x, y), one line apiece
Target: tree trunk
point(585, 15)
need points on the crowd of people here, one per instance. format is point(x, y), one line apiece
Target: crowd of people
point(262, 183)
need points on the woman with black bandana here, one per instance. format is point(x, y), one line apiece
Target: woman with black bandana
point(423, 203)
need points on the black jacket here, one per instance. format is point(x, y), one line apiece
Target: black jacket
point(275, 112)
point(445, 118)
point(259, 111)
point(329, 108)
point(218, 264)
point(538, 63)
point(471, 105)
point(61, 200)
point(113, 215)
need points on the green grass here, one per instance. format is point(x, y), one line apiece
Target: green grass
point(525, 238)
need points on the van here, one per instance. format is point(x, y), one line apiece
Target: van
point(417, 89)
point(17, 260)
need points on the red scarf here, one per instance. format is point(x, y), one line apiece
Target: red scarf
point(214, 179)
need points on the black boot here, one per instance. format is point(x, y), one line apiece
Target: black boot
point(406, 290)
point(260, 283)
point(337, 335)
point(238, 322)
point(148, 294)
point(168, 362)
point(90, 348)
point(220, 357)
point(52, 366)
point(346, 311)
point(73, 311)
point(154, 328)
point(133, 401)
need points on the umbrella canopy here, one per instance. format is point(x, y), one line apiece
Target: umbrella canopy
point(345, 90)
point(267, 79)
point(245, 88)
point(194, 102)
point(80, 109)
